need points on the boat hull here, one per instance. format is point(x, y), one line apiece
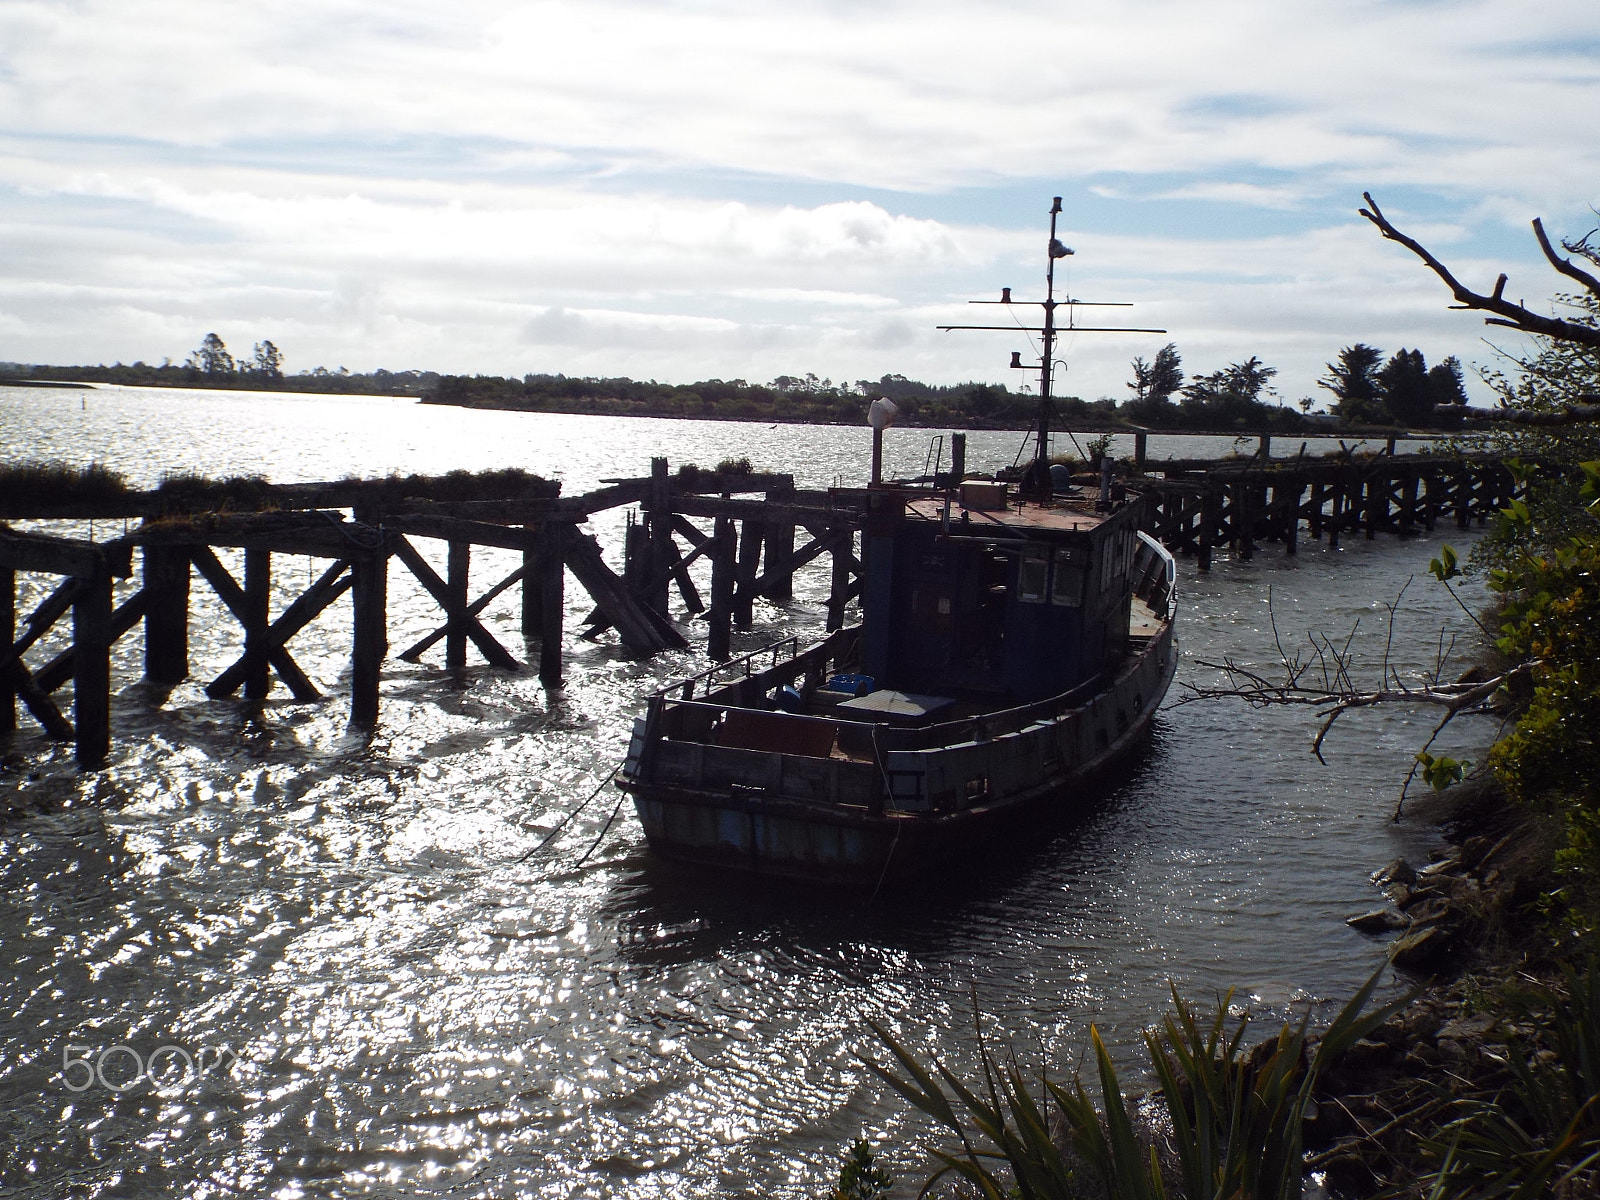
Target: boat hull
point(861, 824)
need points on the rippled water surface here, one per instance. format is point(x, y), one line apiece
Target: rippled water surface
point(399, 996)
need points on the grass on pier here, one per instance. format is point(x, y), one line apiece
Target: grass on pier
point(29, 480)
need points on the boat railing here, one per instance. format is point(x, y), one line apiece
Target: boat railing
point(742, 667)
point(882, 738)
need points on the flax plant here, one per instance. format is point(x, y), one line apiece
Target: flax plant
point(1235, 1115)
point(1539, 1134)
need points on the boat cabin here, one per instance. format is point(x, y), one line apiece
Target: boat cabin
point(980, 596)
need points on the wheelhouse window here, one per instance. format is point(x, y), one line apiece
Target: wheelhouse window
point(1072, 565)
point(1032, 578)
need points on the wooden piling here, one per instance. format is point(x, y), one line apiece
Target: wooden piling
point(839, 583)
point(958, 458)
point(532, 593)
point(719, 617)
point(8, 635)
point(1244, 521)
point(166, 619)
point(1209, 504)
point(458, 563)
point(552, 604)
point(1141, 441)
point(780, 549)
point(659, 526)
point(369, 594)
point(1291, 518)
point(257, 596)
point(749, 565)
point(91, 679)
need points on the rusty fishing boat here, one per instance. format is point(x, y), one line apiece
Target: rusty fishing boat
point(1014, 643)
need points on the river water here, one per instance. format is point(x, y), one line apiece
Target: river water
point(388, 995)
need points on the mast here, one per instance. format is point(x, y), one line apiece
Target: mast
point(1037, 480)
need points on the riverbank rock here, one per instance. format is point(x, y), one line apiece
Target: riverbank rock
point(1378, 920)
point(1464, 926)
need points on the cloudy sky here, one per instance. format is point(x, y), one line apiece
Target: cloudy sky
point(682, 189)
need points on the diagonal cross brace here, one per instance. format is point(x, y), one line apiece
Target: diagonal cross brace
point(333, 583)
point(440, 591)
point(473, 609)
point(59, 669)
point(15, 677)
point(231, 594)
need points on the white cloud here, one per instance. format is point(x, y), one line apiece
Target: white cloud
point(500, 186)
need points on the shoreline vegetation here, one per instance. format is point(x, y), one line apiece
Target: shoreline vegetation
point(1369, 393)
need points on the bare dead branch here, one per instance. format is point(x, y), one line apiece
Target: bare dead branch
point(1570, 414)
point(1565, 265)
point(1514, 316)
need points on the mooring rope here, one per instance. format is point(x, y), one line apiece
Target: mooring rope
point(595, 845)
point(561, 824)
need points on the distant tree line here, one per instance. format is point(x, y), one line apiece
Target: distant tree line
point(212, 365)
point(796, 398)
point(1367, 390)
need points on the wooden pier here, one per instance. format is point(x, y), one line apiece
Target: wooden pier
point(358, 529)
point(1196, 506)
point(754, 530)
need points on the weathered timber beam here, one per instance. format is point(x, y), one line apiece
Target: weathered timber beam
point(17, 679)
point(46, 613)
point(812, 549)
point(760, 510)
point(500, 512)
point(232, 595)
point(323, 535)
point(333, 583)
point(491, 650)
point(64, 556)
point(701, 482)
point(473, 609)
point(628, 491)
point(712, 482)
point(641, 630)
point(457, 529)
point(60, 668)
point(687, 530)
